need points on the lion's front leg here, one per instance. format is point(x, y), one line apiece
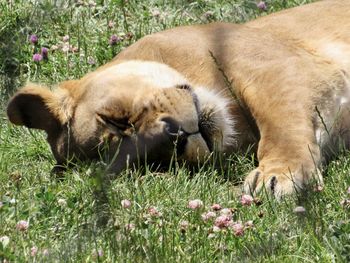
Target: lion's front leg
point(288, 158)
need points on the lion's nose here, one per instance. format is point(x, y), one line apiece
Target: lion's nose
point(173, 128)
point(175, 133)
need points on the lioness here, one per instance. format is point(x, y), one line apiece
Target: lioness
point(289, 71)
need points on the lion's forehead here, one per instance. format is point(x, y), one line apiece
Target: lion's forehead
point(157, 74)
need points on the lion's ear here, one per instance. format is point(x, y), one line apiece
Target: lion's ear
point(34, 107)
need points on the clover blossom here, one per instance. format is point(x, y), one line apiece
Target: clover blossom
point(247, 200)
point(37, 57)
point(262, 6)
point(195, 204)
point(238, 229)
point(33, 251)
point(216, 207)
point(226, 212)
point(65, 38)
point(222, 221)
point(114, 39)
point(22, 225)
point(126, 203)
point(207, 216)
point(33, 39)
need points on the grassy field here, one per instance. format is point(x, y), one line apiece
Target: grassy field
point(143, 216)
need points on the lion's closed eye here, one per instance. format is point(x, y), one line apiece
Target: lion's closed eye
point(117, 126)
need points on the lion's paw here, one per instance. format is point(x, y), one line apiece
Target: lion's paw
point(279, 184)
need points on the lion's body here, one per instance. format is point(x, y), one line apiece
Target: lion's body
point(291, 69)
point(300, 52)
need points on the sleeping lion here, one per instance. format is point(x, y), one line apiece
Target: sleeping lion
point(280, 82)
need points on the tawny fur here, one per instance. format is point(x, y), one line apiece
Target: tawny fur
point(290, 70)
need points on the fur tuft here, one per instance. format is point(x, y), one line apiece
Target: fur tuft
point(210, 101)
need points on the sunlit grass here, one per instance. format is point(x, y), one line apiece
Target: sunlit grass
point(78, 219)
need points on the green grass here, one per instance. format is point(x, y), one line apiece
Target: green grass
point(71, 217)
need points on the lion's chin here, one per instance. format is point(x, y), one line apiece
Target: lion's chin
point(196, 150)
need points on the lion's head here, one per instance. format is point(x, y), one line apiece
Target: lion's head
point(132, 111)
